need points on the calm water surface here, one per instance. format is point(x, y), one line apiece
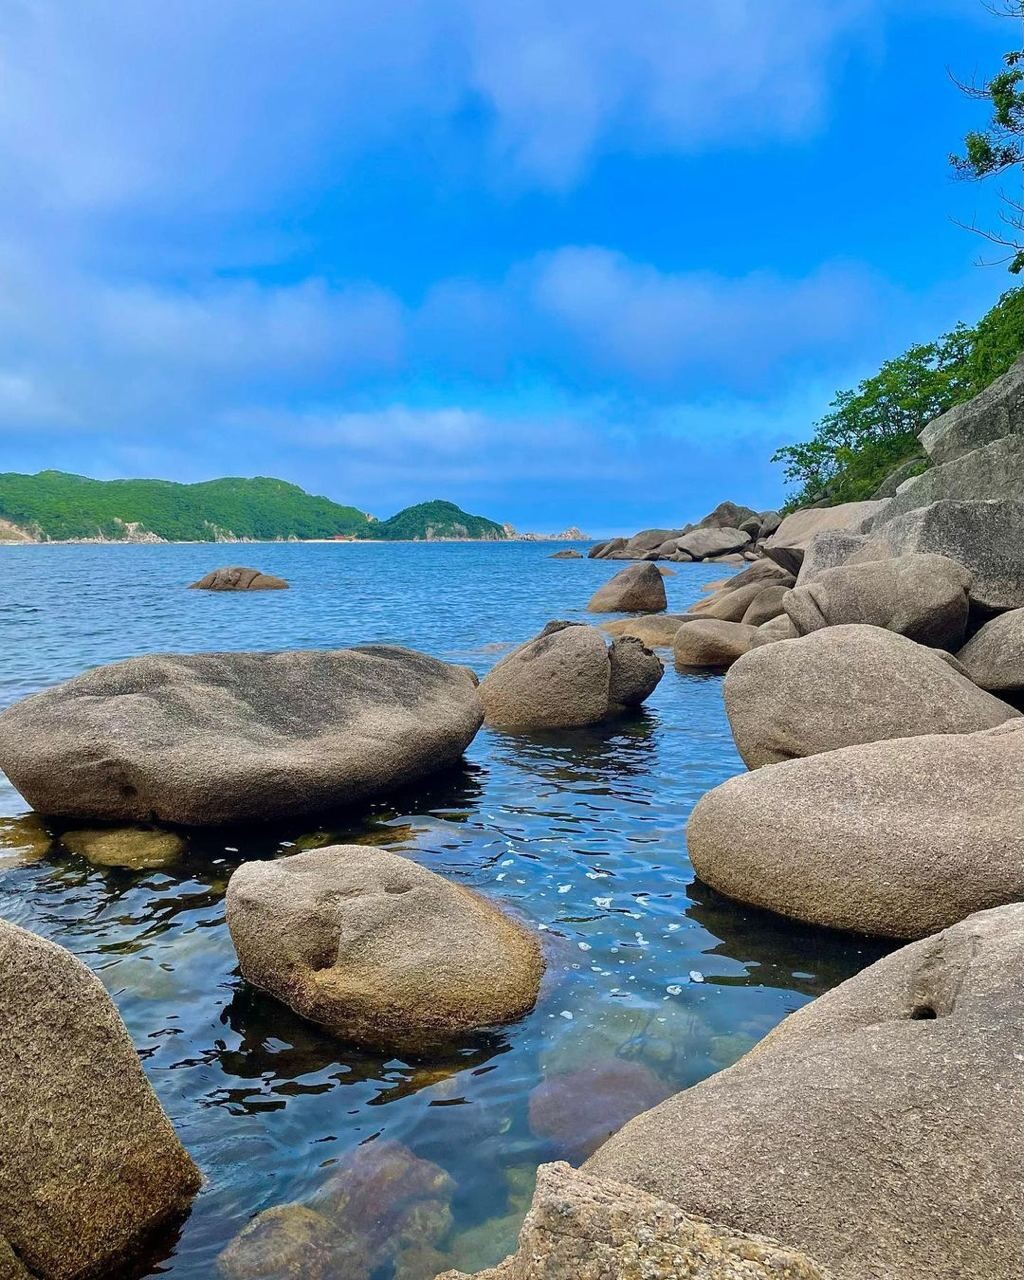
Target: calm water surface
point(654, 981)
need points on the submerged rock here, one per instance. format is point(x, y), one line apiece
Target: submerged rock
point(897, 838)
point(135, 848)
point(23, 840)
point(290, 1242)
point(378, 950)
point(636, 589)
point(877, 1129)
point(568, 677)
point(91, 1165)
point(848, 685)
point(582, 1227)
point(202, 739)
point(239, 579)
point(578, 1110)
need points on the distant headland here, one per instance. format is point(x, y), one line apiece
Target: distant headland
point(55, 506)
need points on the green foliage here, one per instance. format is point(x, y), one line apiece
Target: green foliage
point(436, 519)
point(54, 505)
point(871, 430)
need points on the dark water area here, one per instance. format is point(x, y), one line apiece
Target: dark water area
point(654, 981)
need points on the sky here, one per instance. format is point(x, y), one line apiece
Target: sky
point(564, 262)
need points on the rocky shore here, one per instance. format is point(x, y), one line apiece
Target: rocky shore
point(874, 660)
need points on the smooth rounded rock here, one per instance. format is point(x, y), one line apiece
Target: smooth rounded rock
point(379, 950)
point(657, 631)
point(210, 738)
point(709, 642)
point(775, 629)
point(898, 838)
point(923, 597)
point(636, 589)
point(239, 578)
point(133, 848)
point(707, 541)
point(765, 606)
point(994, 657)
point(91, 1166)
point(635, 673)
point(848, 685)
point(728, 605)
point(878, 1129)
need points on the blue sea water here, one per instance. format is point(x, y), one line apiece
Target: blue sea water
point(654, 981)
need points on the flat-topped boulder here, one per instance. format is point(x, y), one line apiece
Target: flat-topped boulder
point(239, 578)
point(91, 1166)
point(798, 528)
point(656, 630)
point(567, 677)
point(639, 588)
point(983, 536)
point(582, 1227)
point(994, 413)
point(924, 597)
point(712, 540)
point(994, 656)
point(896, 838)
point(378, 950)
point(877, 1130)
point(847, 685)
point(210, 738)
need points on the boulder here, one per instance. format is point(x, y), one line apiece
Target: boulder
point(767, 604)
point(924, 597)
point(828, 550)
point(734, 557)
point(378, 950)
point(208, 738)
point(996, 412)
point(770, 521)
point(982, 536)
point(775, 629)
point(91, 1166)
point(992, 471)
point(896, 838)
point(702, 543)
point(568, 677)
point(601, 550)
point(797, 529)
point(568, 554)
point(848, 685)
point(994, 657)
point(581, 1227)
point(657, 630)
point(638, 589)
point(649, 540)
point(729, 605)
point(709, 642)
point(876, 1129)
point(766, 572)
point(727, 515)
point(239, 579)
point(905, 471)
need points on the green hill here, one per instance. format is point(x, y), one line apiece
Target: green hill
point(55, 506)
point(437, 519)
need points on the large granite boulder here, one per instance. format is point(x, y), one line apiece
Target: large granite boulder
point(567, 677)
point(766, 605)
point(602, 550)
point(91, 1166)
point(766, 572)
point(996, 412)
point(728, 605)
point(239, 578)
point(638, 589)
point(878, 1129)
point(647, 541)
point(847, 685)
point(208, 738)
point(581, 1227)
point(709, 642)
point(994, 656)
point(985, 537)
point(924, 597)
point(828, 550)
point(796, 530)
point(775, 629)
point(992, 471)
point(897, 838)
point(656, 630)
point(379, 950)
point(704, 542)
point(727, 515)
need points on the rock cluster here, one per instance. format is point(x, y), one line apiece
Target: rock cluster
point(729, 533)
point(379, 950)
point(239, 578)
point(566, 677)
point(210, 738)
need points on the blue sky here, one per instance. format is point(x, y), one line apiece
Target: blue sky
point(561, 262)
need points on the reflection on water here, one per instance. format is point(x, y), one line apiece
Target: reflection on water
point(654, 981)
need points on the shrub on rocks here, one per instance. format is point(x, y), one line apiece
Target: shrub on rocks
point(877, 1129)
point(379, 950)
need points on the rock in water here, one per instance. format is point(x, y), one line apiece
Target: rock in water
point(923, 597)
point(202, 739)
point(637, 589)
point(879, 1129)
point(897, 838)
point(380, 951)
point(711, 643)
point(239, 579)
point(657, 630)
point(568, 554)
point(568, 677)
point(581, 1227)
point(91, 1165)
point(133, 848)
point(847, 685)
